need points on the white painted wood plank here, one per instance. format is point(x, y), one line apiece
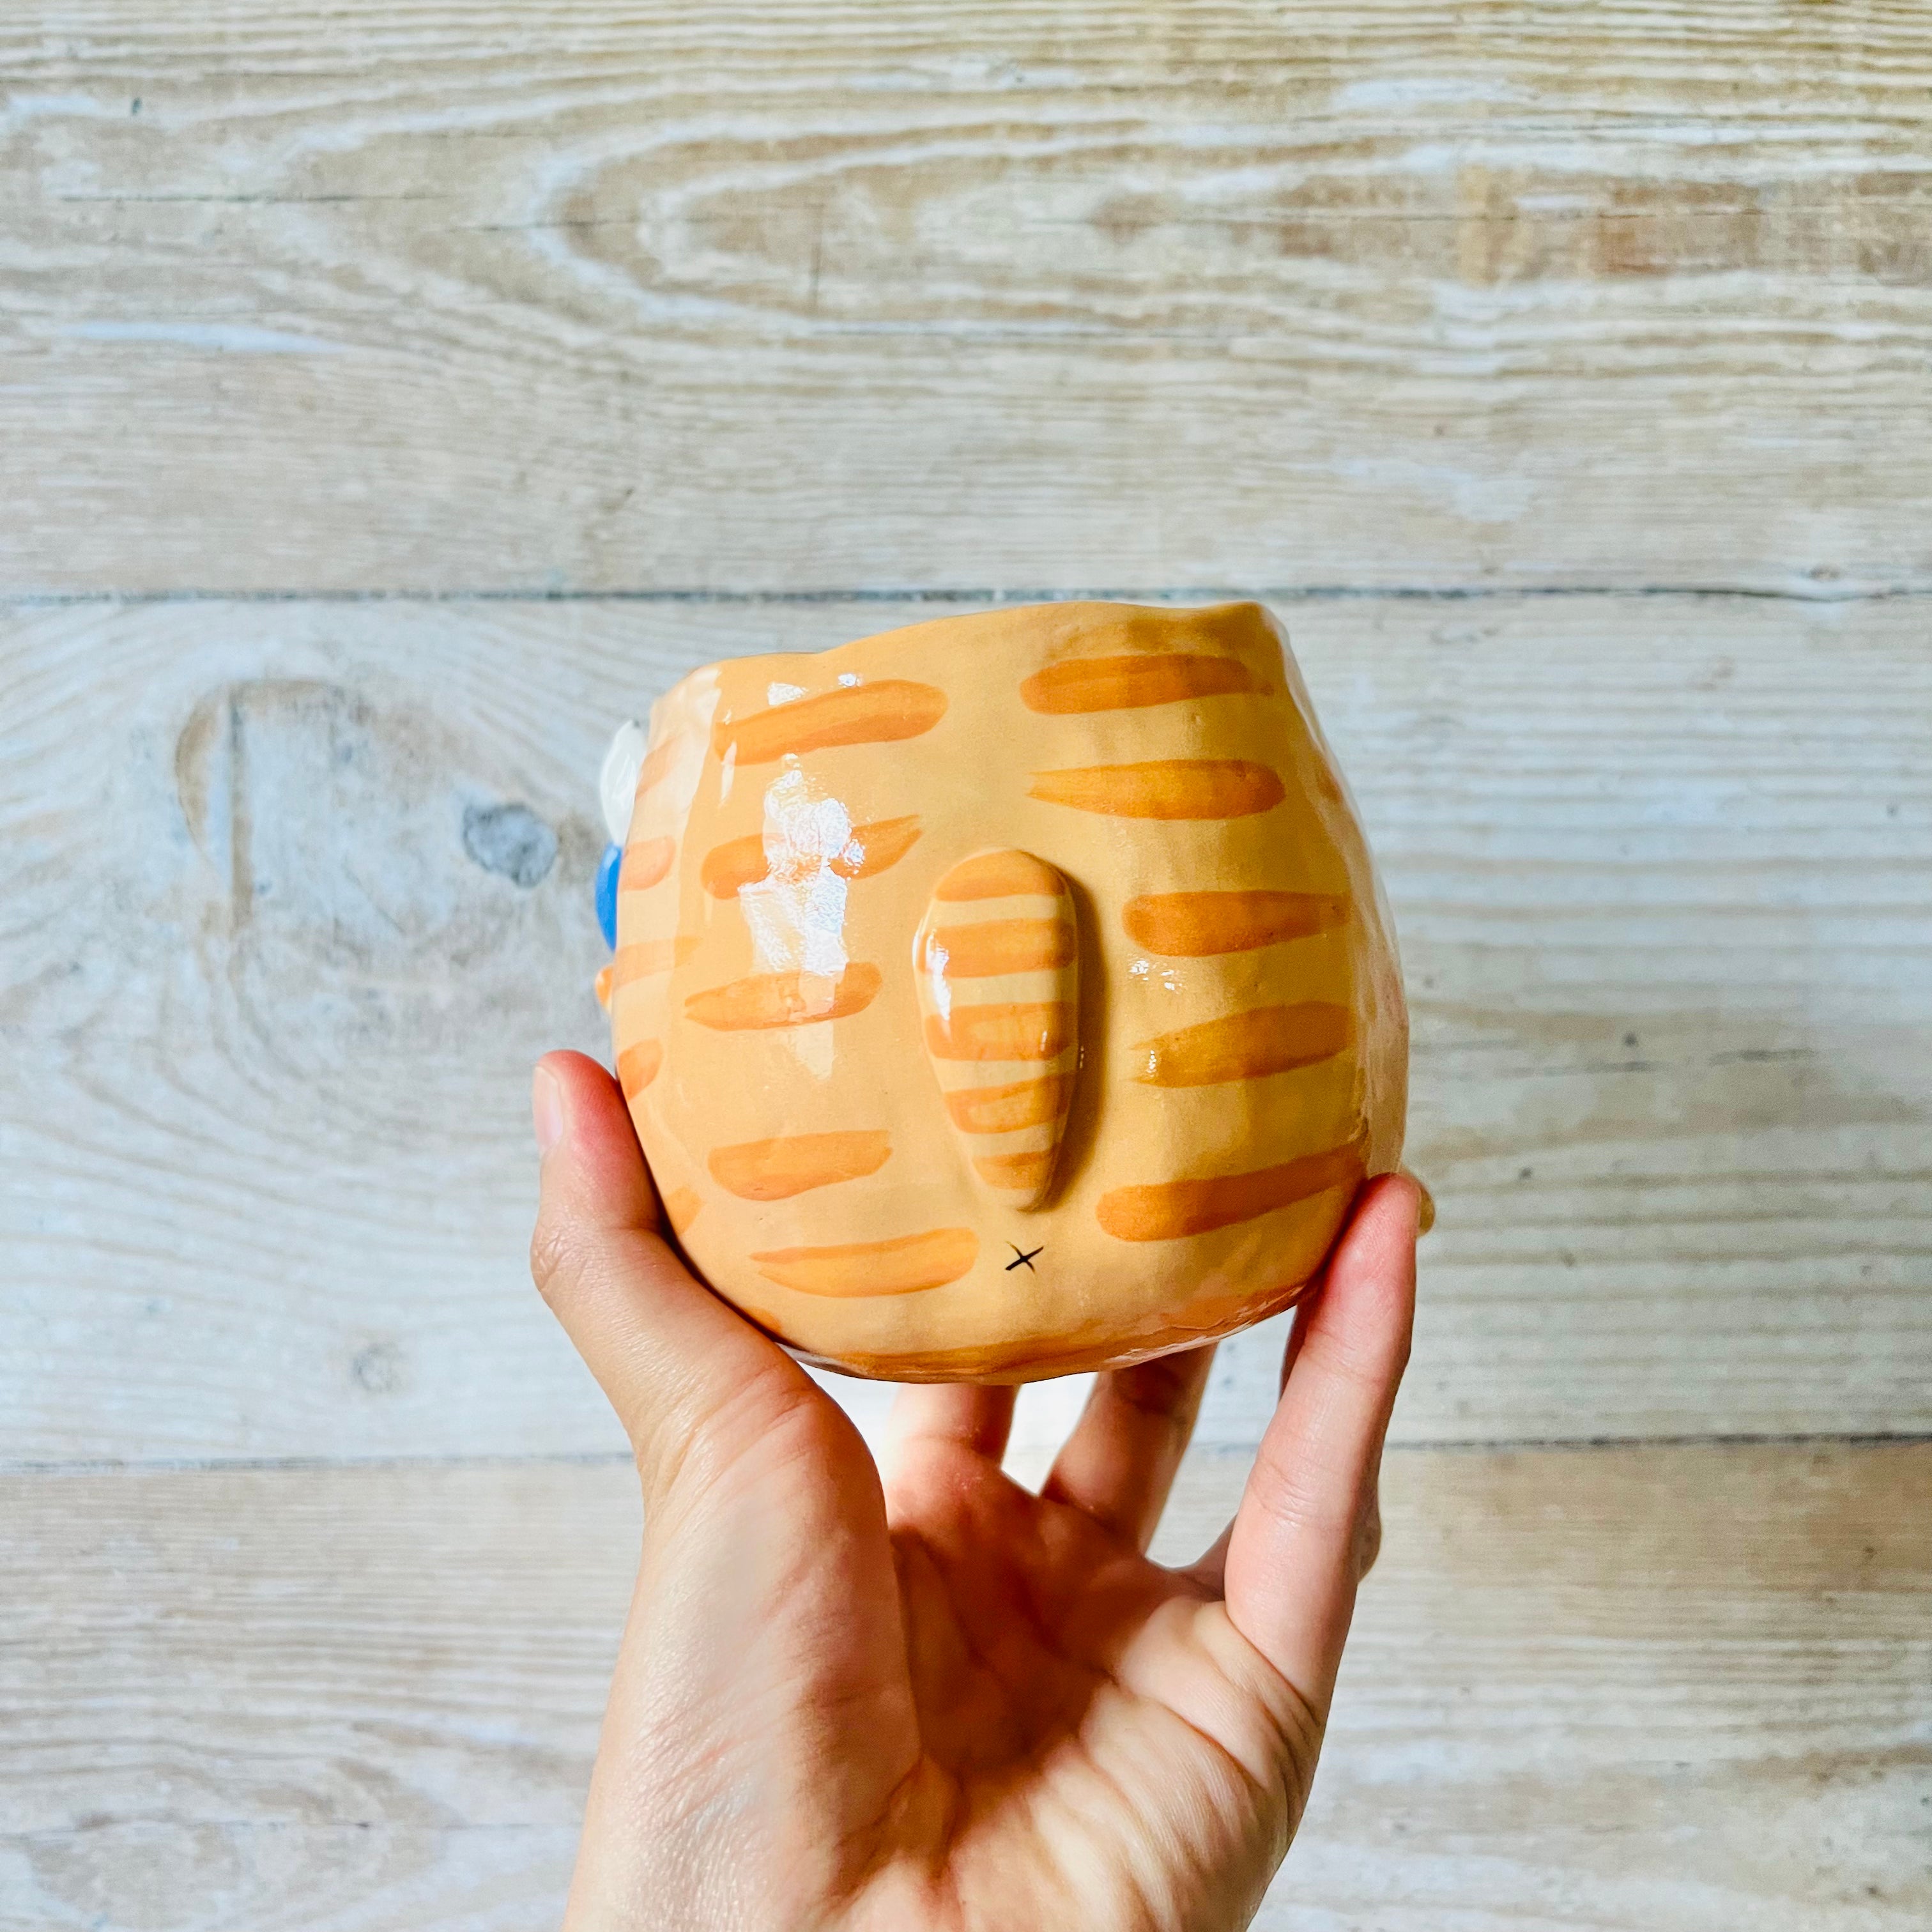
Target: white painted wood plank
point(1684, 1691)
point(578, 294)
point(1660, 868)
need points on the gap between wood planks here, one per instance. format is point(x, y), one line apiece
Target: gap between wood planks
point(602, 1459)
point(1329, 593)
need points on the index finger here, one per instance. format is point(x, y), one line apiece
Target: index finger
point(1291, 1560)
point(669, 1354)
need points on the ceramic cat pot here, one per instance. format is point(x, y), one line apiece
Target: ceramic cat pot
point(1007, 995)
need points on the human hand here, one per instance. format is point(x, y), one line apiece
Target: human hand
point(853, 1703)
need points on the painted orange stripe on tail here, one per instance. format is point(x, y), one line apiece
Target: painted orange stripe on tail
point(997, 946)
point(1244, 1046)
point(1021, 1173)
point(637, 1067)
point(859, 1268)
point(775, 1170)
point(997, 875)
point(1126, 683)
point(783, 999)
point(1167, 788)
point(860, 714)
point(1037, 956)
point(1020, 1103)
point(1169, 1209)
point(1024, 1030)
point(645, 863)
point(1190, 926)
point(729, 868)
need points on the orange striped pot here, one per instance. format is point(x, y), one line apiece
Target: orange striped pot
point(1007, 995)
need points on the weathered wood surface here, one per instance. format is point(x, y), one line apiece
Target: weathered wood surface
point(1660, 868)
point(589, 294)
point(1676, 1689)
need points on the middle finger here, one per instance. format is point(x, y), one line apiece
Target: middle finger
point(1120, 1462)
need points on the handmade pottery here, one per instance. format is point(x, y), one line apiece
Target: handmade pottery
point(1007, 995)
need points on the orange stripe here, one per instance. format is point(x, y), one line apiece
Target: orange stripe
point(1019, 1103)
point(1023, 1030)
point(995, 875)
point(605, 975)
point(858, 1268)
point(1245, 1046)
point(645, 863)
point(882, 843)
point(729, 868)
point(775, 1170)
point(1124, 684)
point(737, 863)
point(656, 764)
point(1191, 925)
point(1021, 1173)
point(1167, 788)
point(1171, 1209)
point(650, 956)
point(997, 946)
point(637, 1067)
point(783, 999)
point(681, 1205)
point(860, 714)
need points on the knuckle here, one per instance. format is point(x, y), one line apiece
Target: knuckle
point(557, 1259)
point(1296, 1495)
point(1290, 1743)
point(1167, 1390)
point(774, 1421)
point(1369, 1369)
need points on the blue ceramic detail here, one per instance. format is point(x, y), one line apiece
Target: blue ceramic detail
point(606, 892)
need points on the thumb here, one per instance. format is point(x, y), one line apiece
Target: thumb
point(672, 1358)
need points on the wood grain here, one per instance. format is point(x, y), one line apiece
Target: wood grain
point(586, 295)
point(1682, 1690)
point(1659, 866)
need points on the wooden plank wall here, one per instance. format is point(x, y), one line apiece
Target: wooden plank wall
point(1636, 1687)
point(392, 397)
point(1659, 866)
point(572, 293)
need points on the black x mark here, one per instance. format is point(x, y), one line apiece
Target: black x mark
point(1022, 1257)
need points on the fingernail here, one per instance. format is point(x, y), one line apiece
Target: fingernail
point(546, 1109)
point(1425, 1203)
